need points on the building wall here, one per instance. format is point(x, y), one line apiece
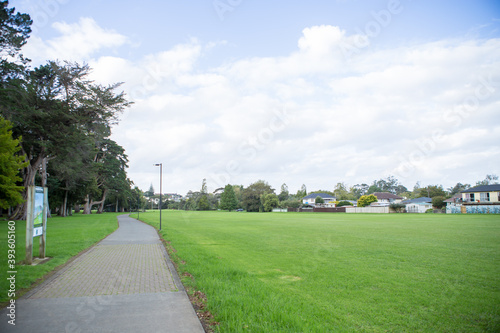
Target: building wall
point(418, 208)
point(477, 196)
point(367, 210)
point(472, 209)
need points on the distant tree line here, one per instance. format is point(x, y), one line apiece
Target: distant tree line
point(261, 197)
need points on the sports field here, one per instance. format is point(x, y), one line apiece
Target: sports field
point(323, 272)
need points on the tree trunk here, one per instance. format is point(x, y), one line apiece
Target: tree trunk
point(87, 207)
point(101, 202)
point(29, 180)
point(77, 208)
point(64, 206)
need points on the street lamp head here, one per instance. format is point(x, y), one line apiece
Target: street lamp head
point(157, 164)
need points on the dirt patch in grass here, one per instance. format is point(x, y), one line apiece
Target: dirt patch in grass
point(199, 299)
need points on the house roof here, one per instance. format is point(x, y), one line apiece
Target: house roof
point(454, 198)
point(483, 188)
point(418, 200)
point(322, 195)
point(386, 195)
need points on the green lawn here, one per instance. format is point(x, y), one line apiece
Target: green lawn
point(307, 272)
point(66, 237)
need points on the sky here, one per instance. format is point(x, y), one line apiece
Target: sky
point(298, 92)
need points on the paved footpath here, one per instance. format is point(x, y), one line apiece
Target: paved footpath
point(126, 283)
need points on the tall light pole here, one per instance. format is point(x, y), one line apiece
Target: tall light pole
point(159, 164)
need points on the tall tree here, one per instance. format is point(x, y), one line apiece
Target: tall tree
point(228, 199)
point(15, 29)
point(431, 191)
point(110, 163)
point(269, 201)
point(11, 162)
point(284, 194)
point(252, 196)
point(341, 192)
point(302, 192)
point(149, 193)
point(204, 189)
point(56, 107)
point(488, 180)
point(359, 189)
point(459, 187)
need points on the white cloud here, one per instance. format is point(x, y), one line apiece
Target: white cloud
point(346, 119)
point(77, 42)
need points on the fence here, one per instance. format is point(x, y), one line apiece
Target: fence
point(318, 210)
point(368, 210)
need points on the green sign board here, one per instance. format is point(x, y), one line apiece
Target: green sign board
point(38, 212)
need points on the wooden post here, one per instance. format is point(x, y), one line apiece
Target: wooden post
point(43, 237)
point(29, 224)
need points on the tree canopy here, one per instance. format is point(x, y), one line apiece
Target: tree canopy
point(11, 162)
point(228, 199)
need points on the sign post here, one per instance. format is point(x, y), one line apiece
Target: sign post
point(36, 220)
point(43, 237)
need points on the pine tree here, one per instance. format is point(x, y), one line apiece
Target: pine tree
point(10, 164)
point(228, 199)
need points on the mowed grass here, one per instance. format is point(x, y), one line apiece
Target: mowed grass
point(66, 237)
point(320, 272)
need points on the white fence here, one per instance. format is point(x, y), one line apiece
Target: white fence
point(367, 210)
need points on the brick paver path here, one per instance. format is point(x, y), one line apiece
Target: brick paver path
point(126, 284)
point(116, 266)
point(113, 270)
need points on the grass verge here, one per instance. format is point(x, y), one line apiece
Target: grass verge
point(306, 272)
point(66, 237)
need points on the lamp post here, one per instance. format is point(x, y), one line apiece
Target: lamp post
point(160, 165)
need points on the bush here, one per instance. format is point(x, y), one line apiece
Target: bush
point(366, 200)
point(319, 200)
point(398, 207)
point(430, 210)
point(438, 202)
point(343, 203)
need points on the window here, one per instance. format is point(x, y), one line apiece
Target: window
point(485, 196)
point(472, 197)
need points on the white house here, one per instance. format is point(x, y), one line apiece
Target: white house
point(311, 198)
point(418, 205)
point(385, 199)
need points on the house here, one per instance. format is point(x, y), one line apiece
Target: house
point(386, 198)
point(418, 205)
point(311, 198)
point(483, 199)
point(173, 197)
point(482, 194)
point(454, 204)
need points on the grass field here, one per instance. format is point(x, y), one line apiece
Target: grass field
point(306, 272)
point(66, 237)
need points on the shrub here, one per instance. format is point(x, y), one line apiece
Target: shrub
point(366, 200)
point(398, 207)
point(319, 200)
point(438, 202)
